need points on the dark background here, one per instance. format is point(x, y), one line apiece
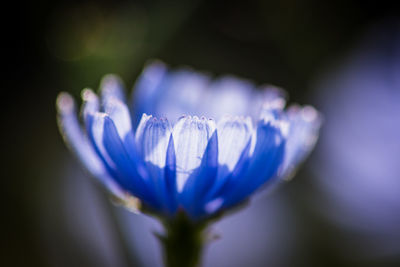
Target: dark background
point(54, 46)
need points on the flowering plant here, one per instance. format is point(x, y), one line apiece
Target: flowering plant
point(187, 170)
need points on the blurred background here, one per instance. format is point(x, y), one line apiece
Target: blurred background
point(342, 208)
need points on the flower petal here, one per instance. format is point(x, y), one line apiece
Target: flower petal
point(170, 175)
point(131, 174)
point(119, 113)
point(146, 89)
point(191, 136)
point(79, 143)
point(91, 103)
point(152, 138)
point(234, 135)
point(94, 123)
point(264, 163)
point(111, 87)
point(153, 141)
point(268, 92)
point(95, 131)
point(201, 180)
point(181, 93)
point(303, 134)
point(228, 95)
point(215, 198)
point(110, 148)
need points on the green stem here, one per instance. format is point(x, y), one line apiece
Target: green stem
point(183, 242)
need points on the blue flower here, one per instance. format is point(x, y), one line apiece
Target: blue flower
point(187, 163)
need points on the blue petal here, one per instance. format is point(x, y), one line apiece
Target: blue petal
point(265, 161)
point(228, 95)
point(95, 131)
point(303, 134)
point(168, 94)
point(91, 103)
point(119, 113)
point(215, 199)
point(152, 137)
point(153, 141)
point(271, 93)
point(111, 87)
point(193, 197)
point(94, 123)
point(131, 173)
point(181, 93)
point(146, 89)
point(109, 147)
point(170, 175)
point(95, 127)
point(80, 145)
point(273, 109)
point(234, 134)
point(191, 136)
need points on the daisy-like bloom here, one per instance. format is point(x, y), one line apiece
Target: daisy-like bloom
point(235, 139)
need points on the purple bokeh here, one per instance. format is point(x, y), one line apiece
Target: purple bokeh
point(358, 158)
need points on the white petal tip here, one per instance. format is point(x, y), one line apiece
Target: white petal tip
point(307, 113)
point(87, 94)
point(310, 114)
point(65, 102)
point(282, 124)
point(195, 118)
point(110, 81)
point(145, 117)
point(276, 103)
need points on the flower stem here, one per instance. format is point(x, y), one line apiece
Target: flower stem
point(183, 242)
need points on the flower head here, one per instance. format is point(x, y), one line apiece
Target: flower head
point(235, 139)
